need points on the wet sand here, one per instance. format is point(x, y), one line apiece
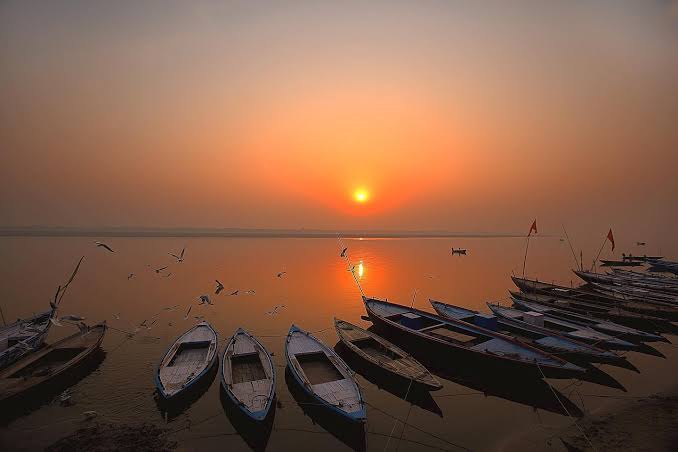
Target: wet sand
point(638, 424)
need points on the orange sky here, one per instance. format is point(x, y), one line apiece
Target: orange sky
point(457, 117)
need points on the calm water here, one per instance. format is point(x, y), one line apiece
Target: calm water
point(315, 288)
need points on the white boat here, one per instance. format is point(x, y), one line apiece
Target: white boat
point(323, 375)
point(248, 375)
point(188, 360)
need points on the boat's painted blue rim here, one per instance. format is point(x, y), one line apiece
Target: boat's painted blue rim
point(356, 416)
point(561, 363)
point(254, 415)
point(161, 388)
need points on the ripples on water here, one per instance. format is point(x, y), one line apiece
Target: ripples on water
point(476, 411)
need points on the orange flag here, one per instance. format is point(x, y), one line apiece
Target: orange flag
point(610, 237)
point(533, 228)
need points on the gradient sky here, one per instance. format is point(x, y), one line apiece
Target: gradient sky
point(464, 116)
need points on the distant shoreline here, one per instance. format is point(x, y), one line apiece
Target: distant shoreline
point(237, 233)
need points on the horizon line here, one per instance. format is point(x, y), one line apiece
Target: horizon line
point(143, 231)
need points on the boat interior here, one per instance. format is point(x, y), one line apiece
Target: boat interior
point(318, 368)
point(51, 360)
point(189, 353)
point(374, 348)
point(439, 330)
point(247, 367)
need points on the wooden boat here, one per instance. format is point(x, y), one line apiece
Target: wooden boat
point(573, 330)
point(323, 375)
point(644, 258)
point(385, 355)
point(530, 334)
point(623, 263)
point(610, 279)
point(248, 375)
point(23, 337)
point(617, 306)
point(601, 311)
point(521, 301)
point(188, 359)
point(453, 338)
point(47, 364)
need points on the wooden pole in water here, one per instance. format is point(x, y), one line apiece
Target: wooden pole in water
point(599, 251)
point(571, 247)
point(3, 317)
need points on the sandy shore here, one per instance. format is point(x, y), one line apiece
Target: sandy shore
point(112, 437)
point(641, 424)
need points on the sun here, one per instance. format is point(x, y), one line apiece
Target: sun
point(361, 195)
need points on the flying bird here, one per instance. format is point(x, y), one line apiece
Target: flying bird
point(204, 299)
point(250, 292)
point(235, 292)
point(281, 274)
point(275, 309)
point(103, 245)
point(167, 275)
point(188, 312)
point(117, 316)
point(219, 288)
point(131, 275)
point(158, 270)
point(180, 257)
point(343, 252)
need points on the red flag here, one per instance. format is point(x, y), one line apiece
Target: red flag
point(533, 228)
point(610, 237)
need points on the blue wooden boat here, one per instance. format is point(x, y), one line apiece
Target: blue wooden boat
point(530, 334)
point(188, 360)
point(23, 337)
point(323, 375)
point(522, 302)
point(248, 375)
point(479, 346)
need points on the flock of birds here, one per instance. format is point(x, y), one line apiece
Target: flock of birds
point(203, 300)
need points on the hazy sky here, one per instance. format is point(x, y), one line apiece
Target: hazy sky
point(452, 115)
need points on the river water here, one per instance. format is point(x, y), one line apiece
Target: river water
point(472, 411)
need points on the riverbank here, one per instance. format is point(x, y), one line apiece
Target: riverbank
point(640, 424)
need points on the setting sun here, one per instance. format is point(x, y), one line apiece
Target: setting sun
point(361, 195)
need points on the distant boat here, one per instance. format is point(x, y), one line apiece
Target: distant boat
point(460, 251)
point(644, 258)
point(323, 375)
point(47, 364)
point(576, 331)
point(614, 329)
point(531, 334)
point(248, 375)
point(622, 263)
point(188, 360)
point(23, 337)
point(385, 355)
point(447, 338)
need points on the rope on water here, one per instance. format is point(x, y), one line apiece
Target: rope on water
point(555, 394)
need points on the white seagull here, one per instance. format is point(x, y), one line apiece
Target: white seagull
point(180, 257)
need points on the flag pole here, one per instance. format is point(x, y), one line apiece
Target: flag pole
point(527, 246)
